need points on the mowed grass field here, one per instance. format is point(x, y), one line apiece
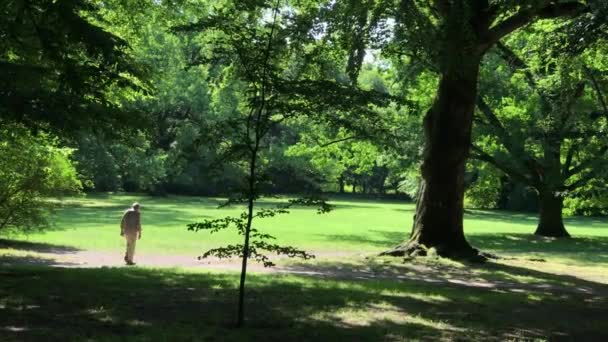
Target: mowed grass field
point(544, 289)
point(92, 223)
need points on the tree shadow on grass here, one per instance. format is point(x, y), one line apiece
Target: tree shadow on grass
point(490, 275)
point(587, 250)
point(531, 218)
point(94, 217)
point(37, 247)
point(36, 259)
point(371, 237)
point(106, 304)
point(580, 249)
point(501, 216)
point(29, 260)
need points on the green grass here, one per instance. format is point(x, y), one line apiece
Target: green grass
point(355, 299)
point(92, 223)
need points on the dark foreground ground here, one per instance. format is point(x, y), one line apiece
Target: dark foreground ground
point(428, 302)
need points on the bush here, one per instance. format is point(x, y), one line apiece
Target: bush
point(32, 168)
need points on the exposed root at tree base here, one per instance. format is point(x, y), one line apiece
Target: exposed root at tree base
point(414, 249)
point(552, 234)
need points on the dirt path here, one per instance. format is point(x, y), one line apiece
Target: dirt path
point(90, 258)
point(332, 265)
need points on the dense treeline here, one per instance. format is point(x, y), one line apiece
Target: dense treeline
point(140, 98)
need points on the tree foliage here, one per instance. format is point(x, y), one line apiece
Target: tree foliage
point(32, 169)
point(60, 67)
point(543, 127)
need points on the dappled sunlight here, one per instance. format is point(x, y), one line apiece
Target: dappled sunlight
point(15, 329)
point(422, 296)
point(16, 257)
point(138, 323)
point(576, 251)
point(203, 304)
point(101, 314)
point(15, 245)
point(515, 277)
point(370, 314)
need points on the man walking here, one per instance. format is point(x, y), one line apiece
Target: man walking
point(130, 228)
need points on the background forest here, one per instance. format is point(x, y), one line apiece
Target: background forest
point(136, 97)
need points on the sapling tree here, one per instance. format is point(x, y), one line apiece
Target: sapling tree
point(255, 42)
point(266, 54)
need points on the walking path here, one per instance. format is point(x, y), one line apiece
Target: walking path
point(335, 265)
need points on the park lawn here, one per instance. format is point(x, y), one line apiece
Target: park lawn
point(143, 304)
point(561, 294)
point(355, 226)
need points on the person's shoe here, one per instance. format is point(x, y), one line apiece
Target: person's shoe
point(130, 263)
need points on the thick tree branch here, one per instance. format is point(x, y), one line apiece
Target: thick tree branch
point(596, 157)
point(442, 7)
point(516, 63)
point(598, 90)
point(339, 140)
point(479, 154)
point(581, 181)
point(516, 150)
point(569, 155)
point(579, 90)
point(525, 16)
point(492, 118)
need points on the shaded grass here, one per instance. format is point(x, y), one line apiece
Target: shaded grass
point(134, 304)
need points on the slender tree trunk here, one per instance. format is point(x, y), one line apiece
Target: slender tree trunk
point(550, 221)
point(381, 186)
point(250, 204)
point(438, 221)
point(341, 184)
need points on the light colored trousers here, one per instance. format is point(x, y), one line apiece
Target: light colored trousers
point(131, 241)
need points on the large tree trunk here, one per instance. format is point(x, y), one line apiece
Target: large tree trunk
point(439, 212)
point(551, 203)
point(550, 217)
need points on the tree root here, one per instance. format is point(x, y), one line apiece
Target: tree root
point(415, 249)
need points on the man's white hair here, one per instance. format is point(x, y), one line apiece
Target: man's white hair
point(135, 205)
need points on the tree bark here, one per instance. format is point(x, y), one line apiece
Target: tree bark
point(550, 222)
point(439, 213)
point(551, 204)
point(341, 184)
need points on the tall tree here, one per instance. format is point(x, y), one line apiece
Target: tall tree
point(454, 36)
point(558, 145)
